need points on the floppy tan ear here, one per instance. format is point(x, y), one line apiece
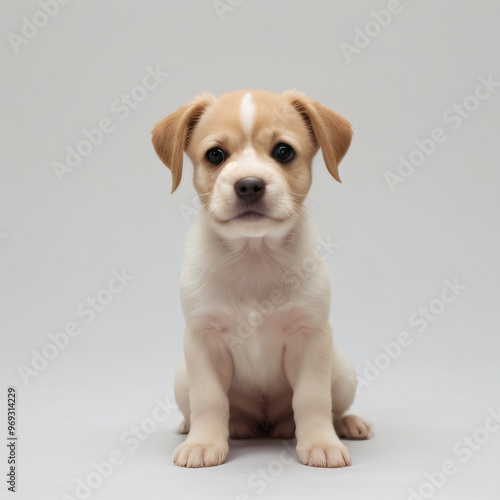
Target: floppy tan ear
point(171, 135)
point(332, 132)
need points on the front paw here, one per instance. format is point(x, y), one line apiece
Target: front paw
point(353, 427)
point(324, 454)
point(199, 453)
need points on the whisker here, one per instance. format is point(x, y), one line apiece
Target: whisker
point(321, 210)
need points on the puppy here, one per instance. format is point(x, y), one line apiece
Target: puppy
point(259, 355)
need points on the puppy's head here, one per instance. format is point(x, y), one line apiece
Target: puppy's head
point(252, 153)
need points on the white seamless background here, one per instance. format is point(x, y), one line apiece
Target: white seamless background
point(83, 83)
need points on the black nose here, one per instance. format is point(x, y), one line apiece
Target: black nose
point(250, 189)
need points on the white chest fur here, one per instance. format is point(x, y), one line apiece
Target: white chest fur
point(251, 296)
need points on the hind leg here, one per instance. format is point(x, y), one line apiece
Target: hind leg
point(344, 383)
point(181, 392)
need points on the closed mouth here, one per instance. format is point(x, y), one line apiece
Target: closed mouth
point(249, 216)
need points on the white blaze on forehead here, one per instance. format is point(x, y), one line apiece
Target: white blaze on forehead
point(247, 114)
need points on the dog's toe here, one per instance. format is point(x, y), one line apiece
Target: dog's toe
point(353, 427)
point(198, 454)
point(324, 455)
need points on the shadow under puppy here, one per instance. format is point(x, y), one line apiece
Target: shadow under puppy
point(248, 374)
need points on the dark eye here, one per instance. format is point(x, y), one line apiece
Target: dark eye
point(215, 156)
point(283, 153)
